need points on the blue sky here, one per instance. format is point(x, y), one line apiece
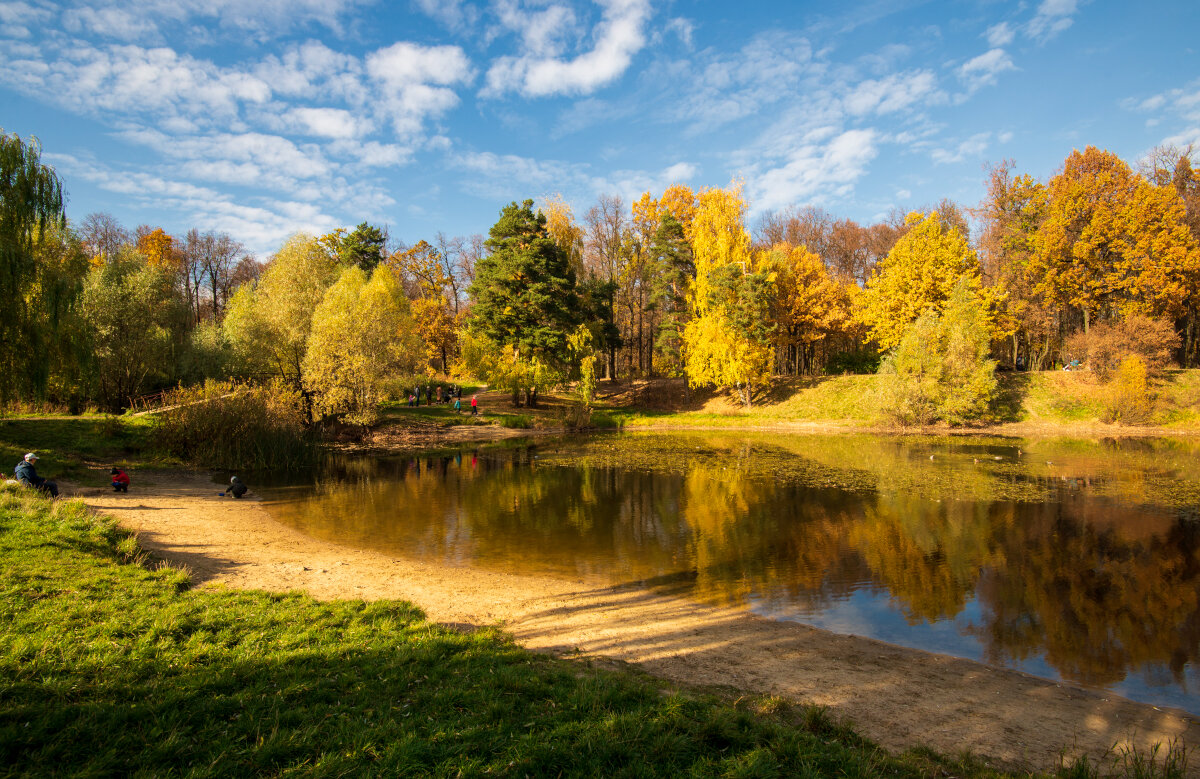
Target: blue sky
point(261, 119)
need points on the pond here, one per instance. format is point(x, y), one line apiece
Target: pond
point(1070, 560)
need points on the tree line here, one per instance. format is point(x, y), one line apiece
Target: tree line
point(1093, 262)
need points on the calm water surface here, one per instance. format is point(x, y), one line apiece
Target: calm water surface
point(1071, 560)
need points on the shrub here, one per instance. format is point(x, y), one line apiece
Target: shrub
point(1129, 399)
point(230, 425)
point(1105, 346)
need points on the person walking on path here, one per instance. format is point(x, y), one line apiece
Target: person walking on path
point(457, 406)
point(474, 405)
point(26, 474)
point(120, 480)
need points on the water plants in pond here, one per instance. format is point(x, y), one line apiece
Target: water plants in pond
point(1077, 560)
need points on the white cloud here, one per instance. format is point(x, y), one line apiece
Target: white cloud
point(972, 147)
point(16, 19)
point(327, 122)
point(414, 82)
point(721, 90)
point(132, 79)
point(112, 22)
point(1052, 17)
point(515, 173)
point(148, 18)
point(630, 184)
point(683, 29)
point(539, 72)
point(893, 93)
point(999, 35)
point(261, 228)
point(814, 170)
point(454, 14)
point(983, 70)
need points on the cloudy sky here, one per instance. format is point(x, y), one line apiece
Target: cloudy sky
point(264, 118)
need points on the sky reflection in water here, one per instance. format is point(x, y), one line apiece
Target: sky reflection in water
point(1070, 560)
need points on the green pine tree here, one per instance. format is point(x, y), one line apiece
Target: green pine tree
point(524, 293)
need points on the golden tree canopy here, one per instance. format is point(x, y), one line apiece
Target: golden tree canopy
point(918, 274)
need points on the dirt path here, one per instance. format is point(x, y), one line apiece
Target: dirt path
point(898, 697)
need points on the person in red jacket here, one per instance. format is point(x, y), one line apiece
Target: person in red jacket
point(120, 480)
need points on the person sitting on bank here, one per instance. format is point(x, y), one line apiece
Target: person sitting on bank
point(237, 487)
point(120, 480)
point(26, 474)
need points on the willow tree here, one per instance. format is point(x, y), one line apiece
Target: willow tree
point(31, 199)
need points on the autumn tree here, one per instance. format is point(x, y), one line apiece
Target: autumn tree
point(362, 337)
point(158, 247)
point(31, 200)
point(565, 231)
point(808, 306)
point(727, 340)
point(1011, 215)
point(268, 323)
point(432, 287)
point(1170, 166)
point(525, 304)
point(918, 274)
point(1112, 244)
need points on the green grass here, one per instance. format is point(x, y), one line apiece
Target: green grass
point(115, 668)
point(79, 448)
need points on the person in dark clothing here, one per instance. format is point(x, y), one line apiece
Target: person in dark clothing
point(26, 474)
point(237, 487)
point(120, 480)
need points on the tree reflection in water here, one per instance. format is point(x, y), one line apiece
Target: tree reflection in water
point(1084, 555)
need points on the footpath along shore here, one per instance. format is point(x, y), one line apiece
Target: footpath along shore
point(898, 697)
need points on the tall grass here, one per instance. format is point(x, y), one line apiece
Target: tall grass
point(237, 426)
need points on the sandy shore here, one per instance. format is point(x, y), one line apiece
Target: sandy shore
point(898, 697)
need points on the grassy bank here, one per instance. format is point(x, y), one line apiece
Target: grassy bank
point(1049, 398)
point(80, 448)
point(113, 667)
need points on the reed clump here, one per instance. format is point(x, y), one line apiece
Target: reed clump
point(222, 424)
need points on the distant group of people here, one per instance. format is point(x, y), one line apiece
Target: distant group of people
point(430, 394)
point(441, 395)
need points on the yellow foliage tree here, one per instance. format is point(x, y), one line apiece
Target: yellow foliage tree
point(159, 249)
point(268, 322)
point(808, 306)
point(564, 230)
point(433, 308)
point(1112, 244)
point(918, 274)
point(362, 336)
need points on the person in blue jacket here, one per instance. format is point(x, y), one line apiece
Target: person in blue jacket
point(27, 475)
